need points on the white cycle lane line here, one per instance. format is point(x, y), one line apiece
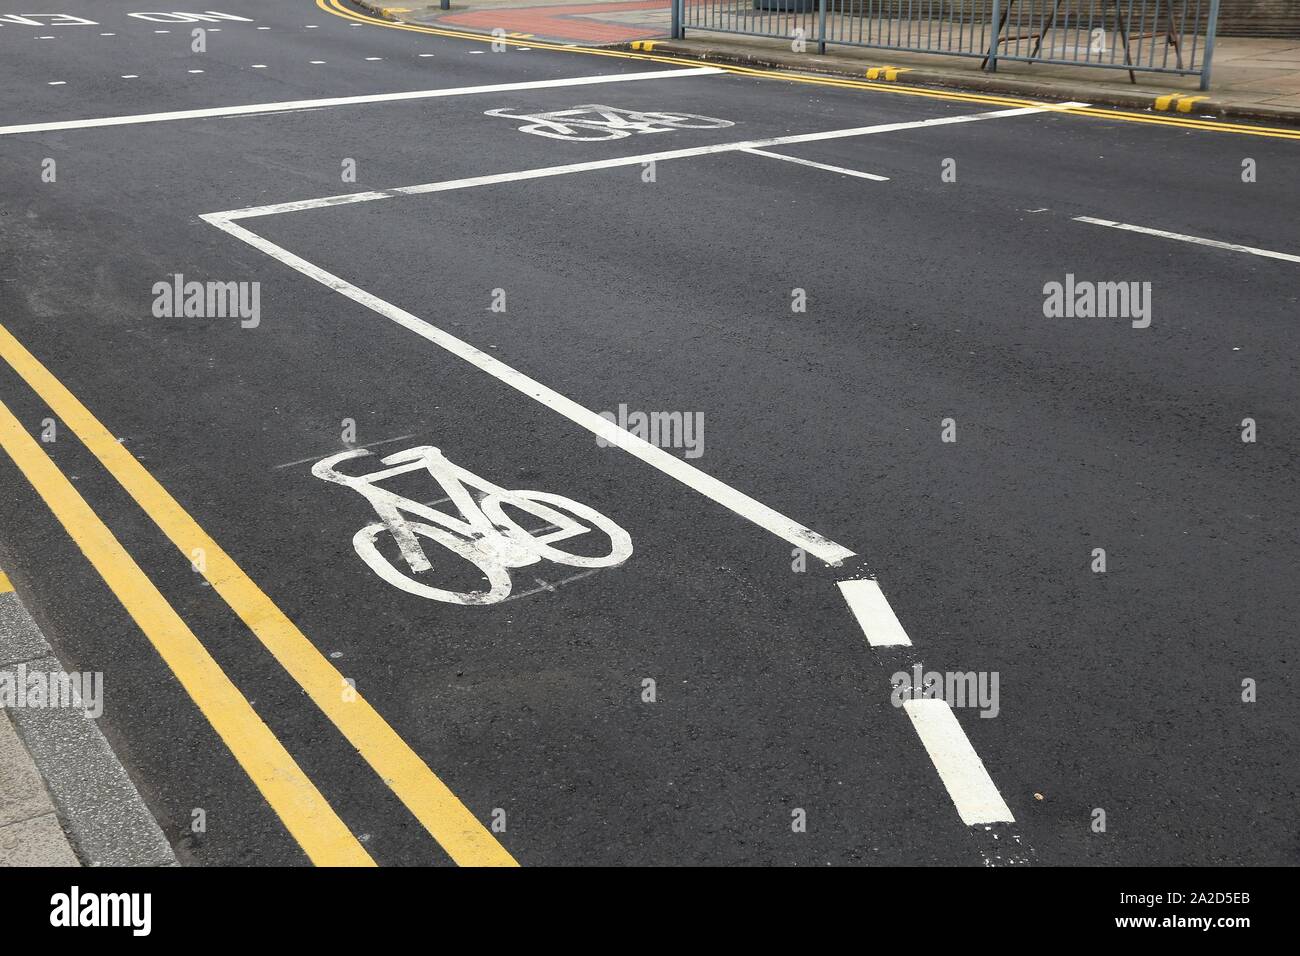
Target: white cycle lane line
point(253, 109)
point(1194, 240)
point(957, 765)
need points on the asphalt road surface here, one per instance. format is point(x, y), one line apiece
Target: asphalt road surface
point(542, 643)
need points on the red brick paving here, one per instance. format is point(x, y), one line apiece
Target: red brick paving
point(563, 22)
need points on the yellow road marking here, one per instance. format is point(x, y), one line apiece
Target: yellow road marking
point(448, 820)
point(1185, 103)
point(889, 73)
point(5, 584)
point(335, 8)
point(1163, 102)
point(294, 798)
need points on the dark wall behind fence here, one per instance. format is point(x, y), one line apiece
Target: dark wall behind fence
point(1237, 18)
point(1259, 18)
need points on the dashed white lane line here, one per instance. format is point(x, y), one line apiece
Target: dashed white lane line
point(57, 83)
point(1212, 243)
point(960, 768)
point(259, 66)
point(374, 58)
point(254, 108)
point(130, 76)
point(874, 615)
point(193, 71)
point(318, 62)
point(423, 55)
point(809, 162)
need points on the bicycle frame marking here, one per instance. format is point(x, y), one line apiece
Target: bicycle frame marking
point(606, 122)
point(484, 535)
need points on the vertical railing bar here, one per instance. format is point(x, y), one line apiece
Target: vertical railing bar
point(1211, 28)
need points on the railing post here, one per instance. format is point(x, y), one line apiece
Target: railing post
point(1210, 29)
point(995, 27)
point(677, 19)
point(821, 26)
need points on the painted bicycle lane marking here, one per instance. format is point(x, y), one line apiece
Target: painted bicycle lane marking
point(485, 535)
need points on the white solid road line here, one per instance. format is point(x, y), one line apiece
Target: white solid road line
point(808, 162)
point(875, 616)
point(760, 514)
point(743, 505)
point(1213, 243)
point(662, 156)
point(969, 784)
point(255, 108)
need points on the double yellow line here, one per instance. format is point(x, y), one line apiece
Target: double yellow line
point(339, 9)
point(292, 795)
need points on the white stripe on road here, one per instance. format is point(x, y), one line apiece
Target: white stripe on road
point(255, 108)
point(760, 514)
point(1213, 243)
point(809, 162)
point(960, 768)
point(875, 616)
point(743, 505)
point(545, 171)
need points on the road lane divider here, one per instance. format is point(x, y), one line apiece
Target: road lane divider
point(342, 199)
point(808, 162)
point(724, 494)
point(441, 813)
point(253, 109)
point(293, 797)
point(1195, 240)
point(873, 614)
point(960, 768)
point(5, 584)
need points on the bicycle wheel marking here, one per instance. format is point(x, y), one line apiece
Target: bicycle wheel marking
point(593, 122)
point(485, 535)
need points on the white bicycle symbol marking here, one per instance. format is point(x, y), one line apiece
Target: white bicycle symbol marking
point(606, 122)
point(487, 537)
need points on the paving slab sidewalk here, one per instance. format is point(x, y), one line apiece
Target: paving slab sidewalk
point(1253, 78)
point(65, 800)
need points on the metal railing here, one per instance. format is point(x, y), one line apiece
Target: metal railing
point(1146, 36)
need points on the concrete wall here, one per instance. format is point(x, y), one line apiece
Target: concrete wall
point(1259, 18)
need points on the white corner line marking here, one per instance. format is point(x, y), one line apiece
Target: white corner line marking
point(760, 514)
point(664, 155)
point(255, 108)
point(808, 162)
point(875, 616)
point(1213, 243)
point(960, 768)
